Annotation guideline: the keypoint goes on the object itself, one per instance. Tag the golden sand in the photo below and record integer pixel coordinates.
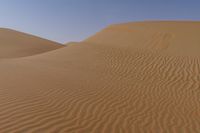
(129, 78)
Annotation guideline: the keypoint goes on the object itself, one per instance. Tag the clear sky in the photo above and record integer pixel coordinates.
(74, 20)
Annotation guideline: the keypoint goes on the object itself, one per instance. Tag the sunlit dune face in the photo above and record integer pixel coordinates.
(15, 44)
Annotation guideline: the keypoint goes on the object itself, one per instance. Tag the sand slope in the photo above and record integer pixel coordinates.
(172, 37)
(17, 44)
(103, 85)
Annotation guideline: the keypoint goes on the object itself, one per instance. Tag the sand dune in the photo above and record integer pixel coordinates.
(128, 78)
(17, 44)
(172, 37)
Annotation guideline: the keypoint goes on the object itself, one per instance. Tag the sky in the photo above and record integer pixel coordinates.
(75, 20)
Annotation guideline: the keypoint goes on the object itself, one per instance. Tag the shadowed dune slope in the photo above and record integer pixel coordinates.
(17, 44)
(106, 85)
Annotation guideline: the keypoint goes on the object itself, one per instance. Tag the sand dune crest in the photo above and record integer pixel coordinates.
(15, 44)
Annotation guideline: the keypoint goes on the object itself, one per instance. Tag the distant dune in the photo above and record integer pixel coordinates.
(17, 44)
(138, 77)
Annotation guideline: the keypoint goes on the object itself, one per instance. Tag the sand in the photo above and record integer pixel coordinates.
(15, 44)
(138, 77)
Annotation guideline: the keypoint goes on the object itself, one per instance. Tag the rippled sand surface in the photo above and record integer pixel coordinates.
(141, 77)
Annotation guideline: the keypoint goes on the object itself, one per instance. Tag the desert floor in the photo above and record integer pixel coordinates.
(141, 77)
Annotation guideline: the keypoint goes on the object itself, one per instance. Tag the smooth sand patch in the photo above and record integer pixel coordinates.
(15, 44)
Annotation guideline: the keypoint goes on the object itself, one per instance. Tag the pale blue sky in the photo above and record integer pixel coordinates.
(75, 20)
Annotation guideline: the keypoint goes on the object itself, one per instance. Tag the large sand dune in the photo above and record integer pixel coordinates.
(172, 37)
(17, 44)
(129, 78)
